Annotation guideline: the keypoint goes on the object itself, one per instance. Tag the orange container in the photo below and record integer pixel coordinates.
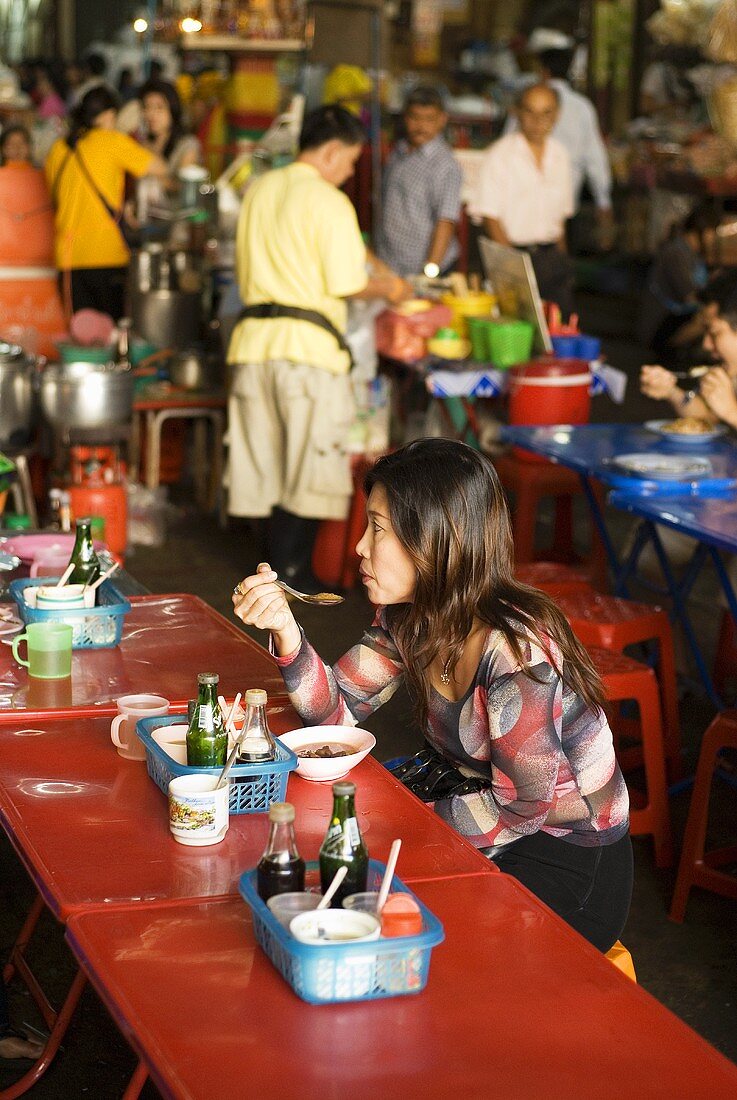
(108, 501)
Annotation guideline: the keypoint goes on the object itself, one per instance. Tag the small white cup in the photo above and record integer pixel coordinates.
(123, 728)
(173, 740)
(51, 598)
(198, 812)
(326, 929)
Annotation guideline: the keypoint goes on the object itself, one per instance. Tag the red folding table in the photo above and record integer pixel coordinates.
(516, 1005)
(92, 831)
(166, 641)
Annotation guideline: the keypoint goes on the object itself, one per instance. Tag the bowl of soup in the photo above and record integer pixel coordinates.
(327, 753)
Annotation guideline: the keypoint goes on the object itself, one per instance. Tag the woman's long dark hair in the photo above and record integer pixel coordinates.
(168, 92)
(82, 119)
(448, 510)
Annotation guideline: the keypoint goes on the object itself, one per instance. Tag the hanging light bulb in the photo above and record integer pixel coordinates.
(190, 25)
(140, 25)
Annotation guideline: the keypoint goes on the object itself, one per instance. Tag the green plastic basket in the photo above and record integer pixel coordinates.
(510, 342)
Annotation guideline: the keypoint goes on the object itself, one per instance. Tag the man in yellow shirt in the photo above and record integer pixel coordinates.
(300, 255)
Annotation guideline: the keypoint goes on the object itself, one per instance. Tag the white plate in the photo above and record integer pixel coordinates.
(664, 467)
(684, 439)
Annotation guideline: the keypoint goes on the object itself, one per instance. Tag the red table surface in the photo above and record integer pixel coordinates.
(166, 641)
(92, 828)
(516, 1006)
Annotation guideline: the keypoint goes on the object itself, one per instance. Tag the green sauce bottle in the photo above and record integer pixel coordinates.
(84, 558)
(343, 846)
(207, 739)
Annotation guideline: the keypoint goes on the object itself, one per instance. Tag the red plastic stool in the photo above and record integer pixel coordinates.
(625, 679)
(698, 867)
(530, 483)
(553, 577)
(334, 558)
(614, 623)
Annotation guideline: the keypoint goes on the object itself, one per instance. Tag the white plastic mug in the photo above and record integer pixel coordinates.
(198, 809)
(123, 729)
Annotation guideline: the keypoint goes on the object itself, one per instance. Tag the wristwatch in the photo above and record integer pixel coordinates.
(431, 271)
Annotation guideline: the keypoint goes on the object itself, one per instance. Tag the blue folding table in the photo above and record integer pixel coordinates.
(705, 508)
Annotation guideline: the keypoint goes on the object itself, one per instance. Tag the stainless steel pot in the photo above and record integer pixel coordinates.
(85, 395)
(17, 404)
(190, 370)
(167, 318)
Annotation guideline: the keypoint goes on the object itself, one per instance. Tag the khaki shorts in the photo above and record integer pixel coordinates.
(288, 427)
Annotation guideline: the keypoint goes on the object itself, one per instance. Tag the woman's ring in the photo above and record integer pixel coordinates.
(238, 591)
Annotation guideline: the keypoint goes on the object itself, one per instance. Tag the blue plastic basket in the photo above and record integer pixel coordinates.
(329, 973)
(253, 787)
(99, 627)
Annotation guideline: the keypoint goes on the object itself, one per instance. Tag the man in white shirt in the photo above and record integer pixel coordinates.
(525, 193)
(577, 127)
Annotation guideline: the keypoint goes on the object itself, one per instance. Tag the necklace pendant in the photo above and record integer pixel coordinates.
(445, 674)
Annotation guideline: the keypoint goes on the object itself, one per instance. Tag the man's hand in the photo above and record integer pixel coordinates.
(657, 382)
(717, 391)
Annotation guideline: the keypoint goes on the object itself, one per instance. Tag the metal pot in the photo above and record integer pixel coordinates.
(17, 404)
(191, 371)
(167, 318)
(85, 395)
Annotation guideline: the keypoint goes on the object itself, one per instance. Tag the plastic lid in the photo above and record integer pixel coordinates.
(401, 916)
(256, 697)
(208, 678)
(344, 787)
(281, 812)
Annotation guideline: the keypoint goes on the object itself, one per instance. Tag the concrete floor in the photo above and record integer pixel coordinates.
(689, 968)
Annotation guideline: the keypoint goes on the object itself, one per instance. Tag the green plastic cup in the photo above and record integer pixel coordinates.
(49, 650)
(477, 327)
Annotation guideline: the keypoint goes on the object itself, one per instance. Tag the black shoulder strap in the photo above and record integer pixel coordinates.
(271, 310)
(114, 214)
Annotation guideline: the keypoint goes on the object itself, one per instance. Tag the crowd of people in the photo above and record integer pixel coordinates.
(94, 154)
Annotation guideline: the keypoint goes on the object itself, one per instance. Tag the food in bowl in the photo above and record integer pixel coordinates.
(688, 425)
(325, 752)
(356, 743)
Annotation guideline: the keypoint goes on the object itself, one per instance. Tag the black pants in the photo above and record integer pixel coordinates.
(100, 288)
(589, 888)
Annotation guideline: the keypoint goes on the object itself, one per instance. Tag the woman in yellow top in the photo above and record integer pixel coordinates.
(86, 177)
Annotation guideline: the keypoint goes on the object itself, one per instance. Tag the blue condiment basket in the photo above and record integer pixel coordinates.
(99, 627)
(253, 787)
(330, 973)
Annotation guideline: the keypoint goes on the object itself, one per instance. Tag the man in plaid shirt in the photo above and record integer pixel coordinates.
(422, 192)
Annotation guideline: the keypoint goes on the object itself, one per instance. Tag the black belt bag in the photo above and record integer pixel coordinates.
(273, 310)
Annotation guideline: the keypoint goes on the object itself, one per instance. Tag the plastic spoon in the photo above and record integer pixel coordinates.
(65, 575)
(103, 577)
(388, 875)
(328, 895)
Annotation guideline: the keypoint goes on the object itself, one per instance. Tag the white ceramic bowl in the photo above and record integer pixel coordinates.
(319, 770)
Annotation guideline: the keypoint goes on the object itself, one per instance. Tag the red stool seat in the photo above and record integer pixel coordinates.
(530, 483)
(625, 679)
(554, 577)
(698, 867)
(614, 623)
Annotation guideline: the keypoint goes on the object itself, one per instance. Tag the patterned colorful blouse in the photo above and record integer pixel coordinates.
(549, 758)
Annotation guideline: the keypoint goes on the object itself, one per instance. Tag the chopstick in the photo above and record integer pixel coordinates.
(694, 372)
(229, 723)
(386, 882)
(65, 575)
(103, 577)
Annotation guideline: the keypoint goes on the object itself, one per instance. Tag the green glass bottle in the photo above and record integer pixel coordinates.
(343, 845)
(207, 739)
(84, 558)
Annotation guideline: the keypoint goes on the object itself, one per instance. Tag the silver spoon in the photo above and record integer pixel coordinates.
(321, 599)
(694, 372)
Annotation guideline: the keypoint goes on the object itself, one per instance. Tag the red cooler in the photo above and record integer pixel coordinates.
(549, 391)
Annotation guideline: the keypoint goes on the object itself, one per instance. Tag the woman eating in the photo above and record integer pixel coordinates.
(503, 691)
(164, 131)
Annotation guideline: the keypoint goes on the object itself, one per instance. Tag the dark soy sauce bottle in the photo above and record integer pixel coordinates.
(280, 869)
